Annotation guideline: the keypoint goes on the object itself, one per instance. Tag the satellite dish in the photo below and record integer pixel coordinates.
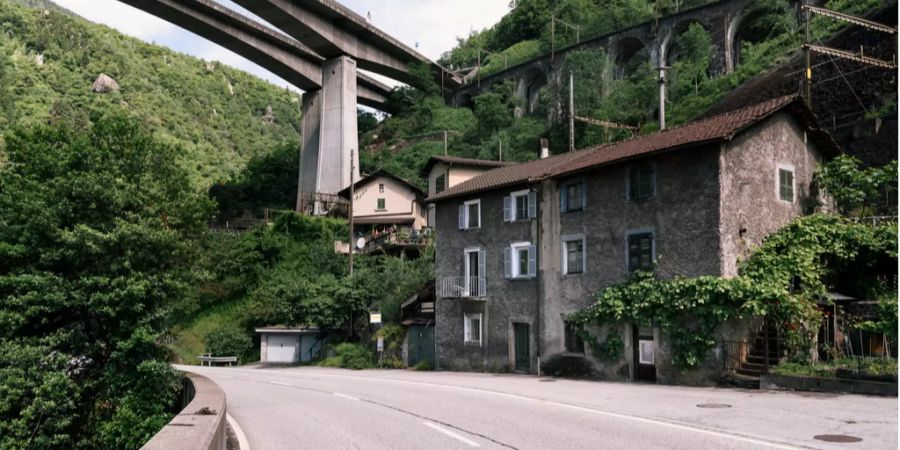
(360, 243)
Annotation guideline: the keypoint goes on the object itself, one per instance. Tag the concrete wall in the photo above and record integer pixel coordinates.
(191, 429)
(399, 201)
(750, 206)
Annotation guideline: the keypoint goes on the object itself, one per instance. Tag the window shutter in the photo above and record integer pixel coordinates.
(532, 261)
(507, 262)
(481, 269)
(462, 217)
(507, 209)
(633, 183)
(583, 196)
(532, 205)
(563, 199)
(563, 258)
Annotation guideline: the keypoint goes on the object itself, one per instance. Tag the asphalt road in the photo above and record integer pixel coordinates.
(317, 408)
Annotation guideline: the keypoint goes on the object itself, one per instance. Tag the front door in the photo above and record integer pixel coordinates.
(421, 345)
(523, 355)
(644, 354)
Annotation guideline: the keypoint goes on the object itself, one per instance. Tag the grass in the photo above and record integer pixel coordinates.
(189, 338)
(827, 369)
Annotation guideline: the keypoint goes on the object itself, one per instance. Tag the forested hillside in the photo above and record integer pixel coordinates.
(49, 59)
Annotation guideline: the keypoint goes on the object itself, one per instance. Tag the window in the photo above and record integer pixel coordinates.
(519, 260)
(574, 343)
(472, 328)
(571, 197)
(573, 254)
(440, 184)
(640, 251)
(521, 205)
(786, 183)
(380, 204)
(470, 215)
(641, 182)
(381, 187)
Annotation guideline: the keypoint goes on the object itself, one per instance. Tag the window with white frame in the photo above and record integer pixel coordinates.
(470, 215)
(519, 260)
(520, 205)
(640, 251)
(571, 197)
(786, 183)
(380, 187)
(573, 254)
(472, 328)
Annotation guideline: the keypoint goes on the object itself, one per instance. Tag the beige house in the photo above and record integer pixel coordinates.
(444, 172)
(382, 200)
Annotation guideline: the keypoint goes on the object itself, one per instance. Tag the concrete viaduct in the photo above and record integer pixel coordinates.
(721, 20)
(322, 44)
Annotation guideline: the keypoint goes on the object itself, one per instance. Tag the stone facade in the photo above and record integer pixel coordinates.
(711, 205)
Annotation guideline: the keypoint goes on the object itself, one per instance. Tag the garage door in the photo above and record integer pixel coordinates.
(281, 348)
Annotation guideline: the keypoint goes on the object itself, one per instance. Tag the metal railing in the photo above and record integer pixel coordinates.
(461, 287)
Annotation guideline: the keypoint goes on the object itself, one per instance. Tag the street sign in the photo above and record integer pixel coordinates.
(380, 344)
(375, 317)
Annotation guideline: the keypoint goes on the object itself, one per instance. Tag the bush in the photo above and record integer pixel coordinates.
(229, 341)
(354, 356)
(392, 355)
(422, 365)
(566, 366)
(332, 361)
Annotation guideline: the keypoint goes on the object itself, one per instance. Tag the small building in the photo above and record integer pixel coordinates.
(417, 316)
(444, 172)
(382, 200)
(289, 345)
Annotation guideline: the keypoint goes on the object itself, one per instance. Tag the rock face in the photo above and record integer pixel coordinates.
(103, 84)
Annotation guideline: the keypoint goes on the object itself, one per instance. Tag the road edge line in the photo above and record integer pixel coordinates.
(238, 432)
(449, 433)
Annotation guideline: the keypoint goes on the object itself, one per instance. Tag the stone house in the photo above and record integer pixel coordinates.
(521, 247)
(444, 172)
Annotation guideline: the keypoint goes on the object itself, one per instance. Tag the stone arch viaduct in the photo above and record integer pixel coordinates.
(721, 20)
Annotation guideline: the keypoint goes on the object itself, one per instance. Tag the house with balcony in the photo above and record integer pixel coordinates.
(444, 172)
(388, 214)
(519, 248)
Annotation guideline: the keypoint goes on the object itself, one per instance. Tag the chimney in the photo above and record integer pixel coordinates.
(545, 148)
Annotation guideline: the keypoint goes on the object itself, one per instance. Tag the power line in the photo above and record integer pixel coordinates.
(865, 23)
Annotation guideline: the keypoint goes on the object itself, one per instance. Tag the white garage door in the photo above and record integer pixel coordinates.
(281, 348)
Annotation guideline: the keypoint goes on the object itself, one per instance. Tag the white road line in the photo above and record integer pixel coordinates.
(242, 439)
(441, 429)
(349, 397)
(280, 384)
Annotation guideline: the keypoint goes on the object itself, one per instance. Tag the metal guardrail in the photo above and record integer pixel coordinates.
(209, 359)
(200, 425)
(461, 287)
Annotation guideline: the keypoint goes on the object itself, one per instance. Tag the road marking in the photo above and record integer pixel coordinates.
(349, 397)
(441, 429)
(280, 384)
(241, 437)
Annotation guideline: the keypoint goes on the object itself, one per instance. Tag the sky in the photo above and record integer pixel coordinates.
(433, 24)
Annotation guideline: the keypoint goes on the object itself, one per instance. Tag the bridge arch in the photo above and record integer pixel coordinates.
(669, 48)
(754, 23)
(528, 88)
(626, 53)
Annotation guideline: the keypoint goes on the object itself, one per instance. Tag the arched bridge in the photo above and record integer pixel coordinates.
(721, 20)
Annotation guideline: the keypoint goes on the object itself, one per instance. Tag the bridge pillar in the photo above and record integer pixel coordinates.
(329, 139)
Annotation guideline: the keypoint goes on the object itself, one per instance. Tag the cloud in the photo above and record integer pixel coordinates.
(433, 24)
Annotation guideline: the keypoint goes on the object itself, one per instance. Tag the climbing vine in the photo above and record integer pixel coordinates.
(781, 280)
(609, 350)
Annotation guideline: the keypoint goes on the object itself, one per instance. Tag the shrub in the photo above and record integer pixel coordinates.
(354, 356)
(392, 355)
(422, 365)
(332, 361)
(229, 341)
(566, 366)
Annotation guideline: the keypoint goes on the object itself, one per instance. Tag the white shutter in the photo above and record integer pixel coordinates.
(532, 205)
(481, 269)
(532, 261)
(507, 262)
(507, 209)
(462, 217)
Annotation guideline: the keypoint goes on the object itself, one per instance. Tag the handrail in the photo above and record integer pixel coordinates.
(200, 425)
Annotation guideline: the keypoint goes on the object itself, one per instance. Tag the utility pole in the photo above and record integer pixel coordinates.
(350, 213)
(501, 150)
(445, 142)
(571, 112)
(808, 76)
(662, 98)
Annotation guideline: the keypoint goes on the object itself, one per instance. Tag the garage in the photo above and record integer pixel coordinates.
(289, 345)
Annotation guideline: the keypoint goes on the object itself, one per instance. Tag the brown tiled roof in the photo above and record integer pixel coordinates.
(458, 160)
(714, 129)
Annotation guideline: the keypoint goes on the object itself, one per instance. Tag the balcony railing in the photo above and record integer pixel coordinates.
(461, 287)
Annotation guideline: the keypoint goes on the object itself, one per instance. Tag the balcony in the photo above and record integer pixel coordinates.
(461, 287)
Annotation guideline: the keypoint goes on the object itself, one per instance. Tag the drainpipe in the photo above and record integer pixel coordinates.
(538, 285)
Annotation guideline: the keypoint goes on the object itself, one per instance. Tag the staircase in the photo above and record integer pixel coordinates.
(745, 361)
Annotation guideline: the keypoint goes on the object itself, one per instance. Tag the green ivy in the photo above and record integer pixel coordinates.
(782, 280)
(609, 350)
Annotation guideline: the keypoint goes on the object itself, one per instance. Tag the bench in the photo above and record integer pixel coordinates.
(210, 360)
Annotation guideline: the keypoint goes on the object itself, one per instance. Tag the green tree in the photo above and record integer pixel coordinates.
(859, 191)
(96, 231)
